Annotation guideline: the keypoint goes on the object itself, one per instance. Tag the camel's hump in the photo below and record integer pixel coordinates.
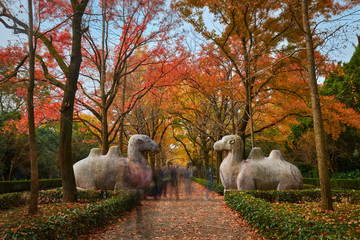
(256, 154)
(113, 152)
(95, 152)
(276, 155)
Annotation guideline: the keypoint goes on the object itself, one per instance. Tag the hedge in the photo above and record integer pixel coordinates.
(336, 183)
(24, 185)
(279, 224)
(216, 187)
(78, 220)
(311, 195)
(11, 200)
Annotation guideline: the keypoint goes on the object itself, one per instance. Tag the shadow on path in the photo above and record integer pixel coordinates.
(194, 218)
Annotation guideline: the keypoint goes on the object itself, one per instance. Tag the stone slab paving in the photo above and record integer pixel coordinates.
(166, 218)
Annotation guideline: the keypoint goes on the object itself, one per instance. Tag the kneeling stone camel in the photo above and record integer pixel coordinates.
(257, 172)
(114, 172)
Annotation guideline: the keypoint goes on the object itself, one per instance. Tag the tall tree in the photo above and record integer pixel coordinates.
(246, 33)
(320, 139)
(71, 72)
(133, 34)
(33, 203)
(67, 106)
(310, 12)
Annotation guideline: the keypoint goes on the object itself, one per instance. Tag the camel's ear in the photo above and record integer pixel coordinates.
(232, 141)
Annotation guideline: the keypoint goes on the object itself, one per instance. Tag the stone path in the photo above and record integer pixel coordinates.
(166, 218)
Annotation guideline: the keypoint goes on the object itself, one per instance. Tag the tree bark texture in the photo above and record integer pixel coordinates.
(320, 140)
(104, 108)
(67, 106)
(34, 191)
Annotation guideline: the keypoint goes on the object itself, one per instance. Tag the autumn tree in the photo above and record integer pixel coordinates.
(308, 15)
(344, 83)
(14, 136)
(202, 108)
(14, 144)
(151, 117)
(33, 203)
(342, 86)
(247, 34)
(70, 71)
(133, 34)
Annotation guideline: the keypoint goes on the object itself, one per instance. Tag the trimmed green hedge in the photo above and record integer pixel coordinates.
(216, 187)
(277, 224)
(336, 183)
(311, 195)
(11, 200)
(24, 185)
(78, 220)
(272, 223)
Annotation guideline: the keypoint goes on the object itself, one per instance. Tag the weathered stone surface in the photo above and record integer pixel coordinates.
(268, 173)
(114, 172)
(257, 172)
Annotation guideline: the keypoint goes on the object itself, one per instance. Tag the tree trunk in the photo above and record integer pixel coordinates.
(105, 132)
(241, 131)
(34, 190)
(121, 135)
(251, 121)
(104, 109)
(67, 106)
(320, 140)
(121, 132)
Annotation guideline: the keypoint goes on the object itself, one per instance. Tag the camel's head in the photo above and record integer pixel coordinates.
(228, 143)
(143, 143)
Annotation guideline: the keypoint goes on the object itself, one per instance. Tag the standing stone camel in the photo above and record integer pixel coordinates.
(257, 172)
(114, 172)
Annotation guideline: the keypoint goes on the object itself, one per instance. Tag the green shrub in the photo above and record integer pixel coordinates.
(312, 181)
(14, 186)
(336, 183)
(273, 223)
(50, 183)
(308, 186)
(88, 196)
(11, 200)
(293, 196)
(347, 175)
(70, 223)
(345, 184)
(24, 185)
(216, 187)
(309, 195)
(351, 196)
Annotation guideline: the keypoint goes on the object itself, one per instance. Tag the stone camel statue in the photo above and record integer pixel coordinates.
(257, 172)
(114, 172)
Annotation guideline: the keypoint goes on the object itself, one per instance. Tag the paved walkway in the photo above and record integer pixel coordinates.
(194, 218)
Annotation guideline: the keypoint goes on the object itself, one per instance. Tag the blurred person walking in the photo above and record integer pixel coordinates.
(174, 181)
(188, 174)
